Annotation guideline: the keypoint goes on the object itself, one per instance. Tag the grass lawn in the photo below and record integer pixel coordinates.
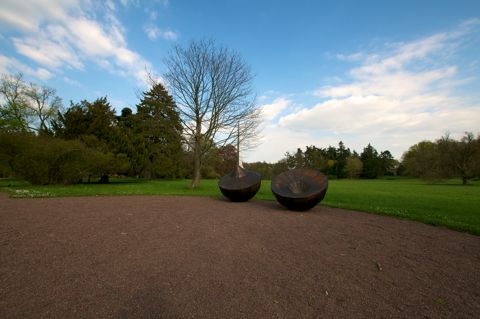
(447, 204)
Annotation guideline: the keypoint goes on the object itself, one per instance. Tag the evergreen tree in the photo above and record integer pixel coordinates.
(342, 155)
(160, 126)
(86, 118)
(314, 158)
(371, 162)
(388, 163)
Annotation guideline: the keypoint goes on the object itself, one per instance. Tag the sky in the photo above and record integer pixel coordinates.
(388, 73)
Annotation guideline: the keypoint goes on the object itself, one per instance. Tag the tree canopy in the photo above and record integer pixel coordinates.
(43, 143)
(213, 88)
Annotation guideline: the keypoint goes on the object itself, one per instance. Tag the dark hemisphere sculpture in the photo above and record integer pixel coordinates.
(300, 189)
(240, 185)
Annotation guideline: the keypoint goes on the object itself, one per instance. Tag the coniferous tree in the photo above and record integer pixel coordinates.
(371, 162)
(160, 126)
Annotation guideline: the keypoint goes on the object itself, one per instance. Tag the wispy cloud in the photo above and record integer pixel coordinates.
(353, 57)
(12, 65)
(154, 32)
(391, 98)
(69, 34)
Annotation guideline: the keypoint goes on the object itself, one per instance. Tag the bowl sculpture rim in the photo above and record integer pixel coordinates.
(240, 185)
(305, 198)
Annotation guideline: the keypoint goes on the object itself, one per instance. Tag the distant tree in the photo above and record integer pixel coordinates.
(279, 167)
(299, 159)
(227, 159)
(263, 168)
(372, 166)
(212, 87)
(353, 167)
(388, 163)
(458, 158)
(422, 160)
(342, 154)
(314, 158)
(445, 158)
(331, 155)
(476, 165)
(296, 160)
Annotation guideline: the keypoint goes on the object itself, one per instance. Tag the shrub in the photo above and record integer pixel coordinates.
(47, 160)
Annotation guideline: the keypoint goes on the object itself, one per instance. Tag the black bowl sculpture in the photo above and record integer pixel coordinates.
(240, 185)
(300, 189)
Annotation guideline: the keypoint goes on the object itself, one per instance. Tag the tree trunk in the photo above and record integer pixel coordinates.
(197, 159)
(196, 170)
(464, 180)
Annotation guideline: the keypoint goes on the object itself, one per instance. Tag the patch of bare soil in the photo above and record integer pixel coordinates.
(197, 257)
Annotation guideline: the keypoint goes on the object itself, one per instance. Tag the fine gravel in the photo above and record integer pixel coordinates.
(201, 257)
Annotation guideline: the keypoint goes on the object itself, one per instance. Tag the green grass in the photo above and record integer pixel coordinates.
(446, 204)
(120, 186)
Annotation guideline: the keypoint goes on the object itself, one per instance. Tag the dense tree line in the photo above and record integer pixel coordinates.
(444, 158)
(336, 162)
(45, 143)
(89, 140)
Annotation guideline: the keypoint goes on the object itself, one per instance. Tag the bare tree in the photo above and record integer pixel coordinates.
(14, 112)
(212, 87)
(44, 105)
(26, 107)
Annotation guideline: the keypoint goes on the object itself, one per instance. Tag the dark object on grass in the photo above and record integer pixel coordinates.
(240, 185)
(103, 179)
(300, 189)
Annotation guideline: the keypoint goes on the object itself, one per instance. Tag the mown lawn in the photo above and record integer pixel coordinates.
(447, 204)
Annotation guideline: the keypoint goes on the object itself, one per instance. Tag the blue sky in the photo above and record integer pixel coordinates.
(389, 73)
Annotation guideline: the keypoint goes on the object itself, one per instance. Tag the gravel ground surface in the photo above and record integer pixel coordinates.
(198, 257)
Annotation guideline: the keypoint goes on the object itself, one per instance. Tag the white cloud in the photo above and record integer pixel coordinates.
(66, 33)
(12, 65)
(270, 111)
(275, 142)
(393, 99)
(154, 32)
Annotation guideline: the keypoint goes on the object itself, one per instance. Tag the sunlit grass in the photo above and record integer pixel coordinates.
(447, 204)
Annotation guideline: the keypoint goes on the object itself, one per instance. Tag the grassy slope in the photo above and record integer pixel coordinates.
(447, 204)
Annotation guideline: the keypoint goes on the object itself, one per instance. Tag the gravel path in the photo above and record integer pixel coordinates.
(199, 257)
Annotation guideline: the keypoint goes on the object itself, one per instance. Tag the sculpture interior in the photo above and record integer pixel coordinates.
(300, 189)
(240, 185)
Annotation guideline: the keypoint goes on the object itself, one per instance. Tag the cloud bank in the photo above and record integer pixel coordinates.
(68, 34)
(392, 98)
